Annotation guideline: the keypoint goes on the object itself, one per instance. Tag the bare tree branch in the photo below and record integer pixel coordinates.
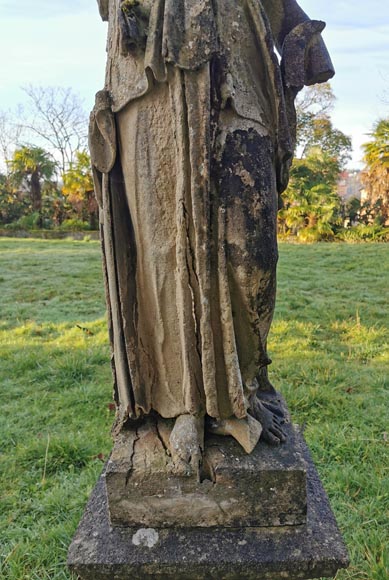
(56, 115)
(10, 137)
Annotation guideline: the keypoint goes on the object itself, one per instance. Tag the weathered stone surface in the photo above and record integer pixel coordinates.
(265, 488)
(191, 142)
(299, 552)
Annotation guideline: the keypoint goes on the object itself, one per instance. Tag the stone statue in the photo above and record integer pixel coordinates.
(191, 142)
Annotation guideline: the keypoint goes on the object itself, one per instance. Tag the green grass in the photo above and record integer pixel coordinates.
(330, 348)
(331, 360)
(54, 399)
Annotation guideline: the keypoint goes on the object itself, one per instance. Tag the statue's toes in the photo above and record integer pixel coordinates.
(273, 433)
(278, 432)
(186, 462)
(195, 463)
(181, 468)
(270, 438)
(275, 409)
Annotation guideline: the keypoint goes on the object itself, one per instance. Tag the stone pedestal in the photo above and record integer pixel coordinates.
(265, 488)
(266, 544)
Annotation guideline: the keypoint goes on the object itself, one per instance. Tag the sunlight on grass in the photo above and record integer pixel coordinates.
(329, 343)
(55, 397)
(331, 352)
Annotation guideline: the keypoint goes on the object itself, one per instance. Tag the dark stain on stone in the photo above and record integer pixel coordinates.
(246, 186)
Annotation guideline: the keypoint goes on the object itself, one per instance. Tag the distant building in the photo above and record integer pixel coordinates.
(350, 185)
(364, 195)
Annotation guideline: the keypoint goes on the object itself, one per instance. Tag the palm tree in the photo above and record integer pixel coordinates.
(376, 175)
(78, 187)
(31, 167)
(311, 204)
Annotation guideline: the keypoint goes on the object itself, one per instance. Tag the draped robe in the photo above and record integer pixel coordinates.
(191, 144)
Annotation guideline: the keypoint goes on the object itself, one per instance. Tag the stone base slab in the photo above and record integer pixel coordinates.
(314, 550)
(265, 488)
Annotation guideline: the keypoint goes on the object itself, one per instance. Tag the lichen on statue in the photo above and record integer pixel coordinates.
(191, 143)
(133, 19)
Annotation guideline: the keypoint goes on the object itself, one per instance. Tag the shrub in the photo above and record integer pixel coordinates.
(26, 222)
(364, 233)
(72, 225)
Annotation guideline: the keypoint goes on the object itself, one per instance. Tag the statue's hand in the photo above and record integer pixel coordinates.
(102, 134)
(102, 141)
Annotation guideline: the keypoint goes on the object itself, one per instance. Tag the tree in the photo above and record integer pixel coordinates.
(79, 189)
(376, 174)
(316, 101)
(30, 167)
(356, 211)
(315, 128)
(335, 144)
(312, 207)
(12, 203)
(10, 134)
(57, 117)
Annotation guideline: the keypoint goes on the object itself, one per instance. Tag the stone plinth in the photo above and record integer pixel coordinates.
(265, 488)
(311, 550)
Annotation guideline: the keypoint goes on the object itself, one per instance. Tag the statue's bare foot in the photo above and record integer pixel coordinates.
(187, 445)
(270, 414)
(246, 432)
(269, 397)
(273, 403)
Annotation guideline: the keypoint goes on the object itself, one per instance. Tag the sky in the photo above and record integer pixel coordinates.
(62, 42)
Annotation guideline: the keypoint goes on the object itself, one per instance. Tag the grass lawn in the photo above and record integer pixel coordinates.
(331, 360)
